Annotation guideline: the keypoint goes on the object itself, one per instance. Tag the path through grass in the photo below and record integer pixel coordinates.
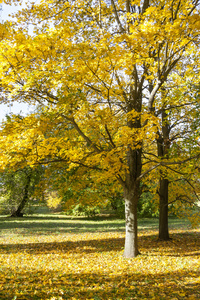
(51, 257)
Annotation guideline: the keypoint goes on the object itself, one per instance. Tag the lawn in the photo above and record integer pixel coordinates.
(55, 257)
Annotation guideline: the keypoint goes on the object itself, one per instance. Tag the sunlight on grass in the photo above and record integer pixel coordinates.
(73, 264)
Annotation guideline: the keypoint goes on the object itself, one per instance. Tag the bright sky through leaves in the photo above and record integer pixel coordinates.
(16, 107)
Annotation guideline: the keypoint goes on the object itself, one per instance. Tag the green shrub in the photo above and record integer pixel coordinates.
(146, 207)
(84, 210)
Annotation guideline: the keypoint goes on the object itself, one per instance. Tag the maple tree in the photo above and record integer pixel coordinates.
(97, 68)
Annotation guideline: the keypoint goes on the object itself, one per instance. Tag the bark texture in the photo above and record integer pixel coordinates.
(132, 182)
(131, 240)
(131, 196)
(163, 145)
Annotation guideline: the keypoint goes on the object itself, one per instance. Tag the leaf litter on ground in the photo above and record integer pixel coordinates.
(90, 265)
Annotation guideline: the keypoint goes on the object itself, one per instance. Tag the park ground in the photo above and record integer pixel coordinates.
(56, 257)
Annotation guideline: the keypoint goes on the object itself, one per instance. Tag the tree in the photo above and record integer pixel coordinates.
(98, 68)
(177, 141)
(19, 181)
(18, 188)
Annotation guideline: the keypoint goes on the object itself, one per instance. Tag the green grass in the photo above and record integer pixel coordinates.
(43, 224)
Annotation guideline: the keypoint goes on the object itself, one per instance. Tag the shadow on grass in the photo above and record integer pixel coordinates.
(89, 246)
(44, 226)
(99, 286)
(179, 245)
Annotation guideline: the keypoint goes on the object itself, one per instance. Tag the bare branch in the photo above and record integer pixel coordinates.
(167, 164)
(116, 16)
(109, 136)
(86, 138)
(148, 171)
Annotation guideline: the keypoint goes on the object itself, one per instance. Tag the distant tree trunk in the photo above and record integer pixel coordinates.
(163, 210)
(163, 146)
(18, 212)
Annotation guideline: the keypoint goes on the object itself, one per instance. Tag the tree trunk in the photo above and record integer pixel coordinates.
(163, 212)
(131, 240)
(132, 181)
(18, 212)
(131, 196)
(163, 145)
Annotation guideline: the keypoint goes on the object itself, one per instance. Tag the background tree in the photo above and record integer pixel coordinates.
(177, 141)
(19, 180)
(18, 189)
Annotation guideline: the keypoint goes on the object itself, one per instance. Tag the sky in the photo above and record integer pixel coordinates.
(17, 107)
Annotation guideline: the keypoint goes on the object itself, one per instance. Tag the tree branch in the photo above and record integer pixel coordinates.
(116, 16)
(109, 136)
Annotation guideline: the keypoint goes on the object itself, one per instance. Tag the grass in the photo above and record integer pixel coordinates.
(56, 257)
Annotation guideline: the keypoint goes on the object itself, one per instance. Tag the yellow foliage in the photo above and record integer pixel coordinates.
(52, 199)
